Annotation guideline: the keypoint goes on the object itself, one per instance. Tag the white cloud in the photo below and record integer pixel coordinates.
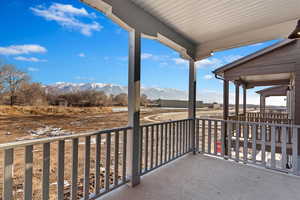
(81, 55)
(146, 55)
(22, 49)
(67, 16)
(29, 59)
(180, 61)
(32, 69)
(209, 62)
(208, 77)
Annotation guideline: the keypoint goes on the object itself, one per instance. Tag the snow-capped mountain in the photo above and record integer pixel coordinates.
(151, 92)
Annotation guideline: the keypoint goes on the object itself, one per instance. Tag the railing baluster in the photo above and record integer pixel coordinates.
(187, 142)
(152, 147)
(215, 136)
(116, 157)
(283, 148)
(273, 146)
(170, 139)
(87, 154)
(237, 141)
(203, 136)
(146, 148)
(229, 132)
(124, 156)
(209, 137)
(177, 139)
(173, 140)
(97, 164)
(295, 151)
(8, 170)
(107, 162)
(166, 142)
(156, 147)
(28, 172)
(161, 143)
(74, 185)
(197, 136)
(60, 169)
(141, 149)
(183, 137)
(46, 169)
(263, 145)
(223, 138)
(245, 150)
(253, 134)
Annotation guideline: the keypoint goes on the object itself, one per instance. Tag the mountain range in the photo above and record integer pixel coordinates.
(150, 92)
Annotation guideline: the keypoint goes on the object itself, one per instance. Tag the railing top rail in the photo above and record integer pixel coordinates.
(253, 123)
(23, 143)
(165, 122)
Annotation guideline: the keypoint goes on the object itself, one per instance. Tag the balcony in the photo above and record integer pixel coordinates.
(203, 177)
(91, 165)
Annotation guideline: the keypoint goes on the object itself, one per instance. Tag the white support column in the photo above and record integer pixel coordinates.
(244, 100)
(133, 138)
(192, 101)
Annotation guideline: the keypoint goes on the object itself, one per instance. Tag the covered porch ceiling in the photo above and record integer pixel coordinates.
(274, 91)
(266, 80)
(196, 28)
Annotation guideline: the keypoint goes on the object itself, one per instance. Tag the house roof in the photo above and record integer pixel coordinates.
(252, 56)
(196, 28)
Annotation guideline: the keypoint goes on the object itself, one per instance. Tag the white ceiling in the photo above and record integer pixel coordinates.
(210, 25)
(207, 21)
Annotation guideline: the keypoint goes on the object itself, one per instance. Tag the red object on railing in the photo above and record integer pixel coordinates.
(219, 147)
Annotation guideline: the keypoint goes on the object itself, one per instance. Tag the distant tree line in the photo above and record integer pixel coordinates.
(16, 88)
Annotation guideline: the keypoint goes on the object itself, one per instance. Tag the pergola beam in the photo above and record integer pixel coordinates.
(130, 16)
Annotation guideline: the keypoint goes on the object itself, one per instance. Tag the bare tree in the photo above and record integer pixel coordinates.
(11, 79)
(32, 94)
(121, 99)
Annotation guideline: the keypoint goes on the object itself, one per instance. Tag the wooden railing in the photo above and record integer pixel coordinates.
(164, 142)
(277, 118)
(95, 163)
(102, 172)
(264, 144)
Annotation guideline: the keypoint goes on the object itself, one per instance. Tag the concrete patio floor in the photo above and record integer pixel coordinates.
(205, 178)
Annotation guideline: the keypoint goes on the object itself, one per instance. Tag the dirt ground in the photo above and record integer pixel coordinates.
(21, 123)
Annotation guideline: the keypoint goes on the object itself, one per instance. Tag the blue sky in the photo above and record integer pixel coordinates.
(67, 41)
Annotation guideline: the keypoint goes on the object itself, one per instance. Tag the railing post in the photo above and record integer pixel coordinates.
(133, 139)
(225, 114)
(192, 102)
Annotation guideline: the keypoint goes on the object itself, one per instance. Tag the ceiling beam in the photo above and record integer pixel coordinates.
(130, 16)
